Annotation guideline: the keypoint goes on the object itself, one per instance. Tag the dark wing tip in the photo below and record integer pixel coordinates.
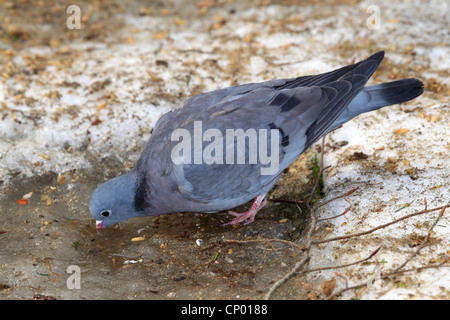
(377, 56)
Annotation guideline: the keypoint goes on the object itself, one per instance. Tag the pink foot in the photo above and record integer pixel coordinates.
(257, 205)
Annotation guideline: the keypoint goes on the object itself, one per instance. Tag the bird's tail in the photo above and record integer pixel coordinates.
(380, 95)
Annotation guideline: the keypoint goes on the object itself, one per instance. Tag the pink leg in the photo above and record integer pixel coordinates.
(257, 205)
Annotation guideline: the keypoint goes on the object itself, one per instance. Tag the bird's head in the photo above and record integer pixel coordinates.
(114, 201)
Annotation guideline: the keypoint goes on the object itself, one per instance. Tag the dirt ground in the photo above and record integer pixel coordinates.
(77, 107)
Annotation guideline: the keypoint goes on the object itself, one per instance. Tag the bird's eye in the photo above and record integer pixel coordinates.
(106, 213)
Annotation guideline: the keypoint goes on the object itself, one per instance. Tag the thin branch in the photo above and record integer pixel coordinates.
(275, 286)
(333, 217)
(385, 276)
(283, 63)
(338, 197)
(425, 241)
(394, 273)
(378, 227)
(265, 240)
(345, 265)
(398, 270)
(342, 277)
(308, 238)
(285, 200)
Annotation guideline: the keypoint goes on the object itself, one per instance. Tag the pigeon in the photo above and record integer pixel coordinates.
(223, 148)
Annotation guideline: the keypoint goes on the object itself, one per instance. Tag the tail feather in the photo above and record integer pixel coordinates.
(366, 67)
(380, 95)
(340, 93)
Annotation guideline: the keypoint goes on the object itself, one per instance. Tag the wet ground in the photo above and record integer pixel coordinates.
(77, 106)
(173, 256)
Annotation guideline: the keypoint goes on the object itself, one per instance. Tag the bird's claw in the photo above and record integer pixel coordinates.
(257, 205)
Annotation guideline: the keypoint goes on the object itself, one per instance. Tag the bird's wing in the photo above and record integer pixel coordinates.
(301, 109)
(201, 102)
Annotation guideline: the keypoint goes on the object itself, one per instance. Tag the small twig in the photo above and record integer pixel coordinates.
(195, 51)
(345, 265)
(404, 206)
(338, 197)
(265, 240)
(271, 245)
(379, 227)
(308, 238)
(342, 277)
(285, 200)
(333, 217)
(385, 276)
(425, 241)
(282, 63)
(442, 264)
(347, 288)
(398, 270)
(275, 286)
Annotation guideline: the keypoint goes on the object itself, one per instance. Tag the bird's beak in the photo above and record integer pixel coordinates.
(99, 224)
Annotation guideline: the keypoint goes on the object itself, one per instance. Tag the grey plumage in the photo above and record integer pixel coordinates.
(301, 109)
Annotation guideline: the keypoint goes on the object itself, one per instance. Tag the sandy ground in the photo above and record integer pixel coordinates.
(78, 105)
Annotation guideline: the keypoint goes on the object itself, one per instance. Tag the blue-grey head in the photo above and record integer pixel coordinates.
(115, 201)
